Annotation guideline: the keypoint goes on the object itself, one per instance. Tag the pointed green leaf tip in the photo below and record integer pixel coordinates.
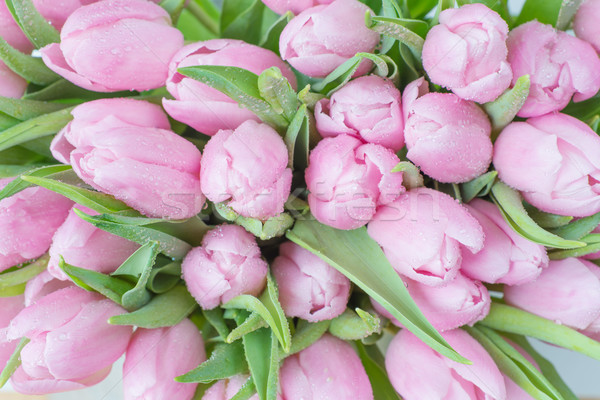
(503, 110)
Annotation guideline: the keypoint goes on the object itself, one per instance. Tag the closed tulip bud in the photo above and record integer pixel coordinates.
(567, 292)
(585, 23)
(349, 181)
(368, 108)
(227, 265)
(448, 137)
(422, 235)
(467, 52)
(42, 285)
(295, 6)
(83, 245)
(461, 301)
(559, 66)
(247, 167)
(309, 288)
(554, 160)
(323, 37)
(11, 84)
(506, 257)
(124, 147)
(206, 109)
(28, 221)
(327, 369)
(56, 13)
(155, 357)
(225, 389)
(105, 45)
(10, 307)
(72, 345)
(418, 372)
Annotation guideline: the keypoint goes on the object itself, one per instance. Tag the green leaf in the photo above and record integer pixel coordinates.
(277, 91)
(297, 139)
(548, 220)
(101, 202)
(27, 109)
(584, 110)
(270, 38)
(509, 319)
(225, 361)
(566, 13)
(246, 391)
(13, 362)
(503, 110)
(545, 11)
(34, 128)
(11, 291)
(478, 187)
(193, 30)
(35, 27)
(419, 8)
(243, 19)
(30, 68)
(215, 318)
(174, 8)
(239, 84)
(593, 246)
(514, 365)
(399, 29)
(382, 387)
(24, 274)
(17, 184)
(138, 266)
(268, 307)
(206, 13)
(9, 171)
(355, 325)
(411, 177)
(264, 230)
(262, 354)
(110, 287)
(511, 207)
(168, 245)
(306, 334)
(579, 228)
(163, 310)
(251, 324)
(165, 277)
(360, 258)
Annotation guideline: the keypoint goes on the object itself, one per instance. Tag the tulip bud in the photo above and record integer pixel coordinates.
(585, 23)
(10, 306)
(506, 257)
(206, 109)
(295, 6)
(42, 285)
(554, 160)
(448, 138)
(461, 301)
(227, 265)
(11, 84)
(328, 369)
(422, 233)
(349, 180)
(105, 45)
(155, 357)
(248, 168)
(368, 108)
(418, 372)
(124, 147)
(567, 292)
(57, 12)
(309, 288)
(83, 245)
(467, 52)
(225, 389)
(28, 221)
(559, 66)
(322, 38)
(72, 345)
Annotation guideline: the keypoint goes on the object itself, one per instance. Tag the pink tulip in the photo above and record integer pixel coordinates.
(11, 32)
(554, 160)
(328, 369)
(28, 221)
(422, 234)
(585, 23)
(83, 245)
(323, 37)
(57, 12)
(42, 285)
(417, 372)
(448, 137)
(461, 301)
(155, 357)
(506, 257)
(225, 389)
(105, 45)
(206, 109)
(295, 6)
(558, 64)
(124, 147)
(309, 288)
(227, 265)
(247, 167)
(368, 108)
(11, 84)
(467, 52)
(349, 181)
(10, 307)
(72, 345)
(567, 292)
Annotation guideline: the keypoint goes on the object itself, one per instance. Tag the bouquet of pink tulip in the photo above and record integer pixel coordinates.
(308, 199)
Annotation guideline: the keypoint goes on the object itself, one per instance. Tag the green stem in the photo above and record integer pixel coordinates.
(203, 17)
